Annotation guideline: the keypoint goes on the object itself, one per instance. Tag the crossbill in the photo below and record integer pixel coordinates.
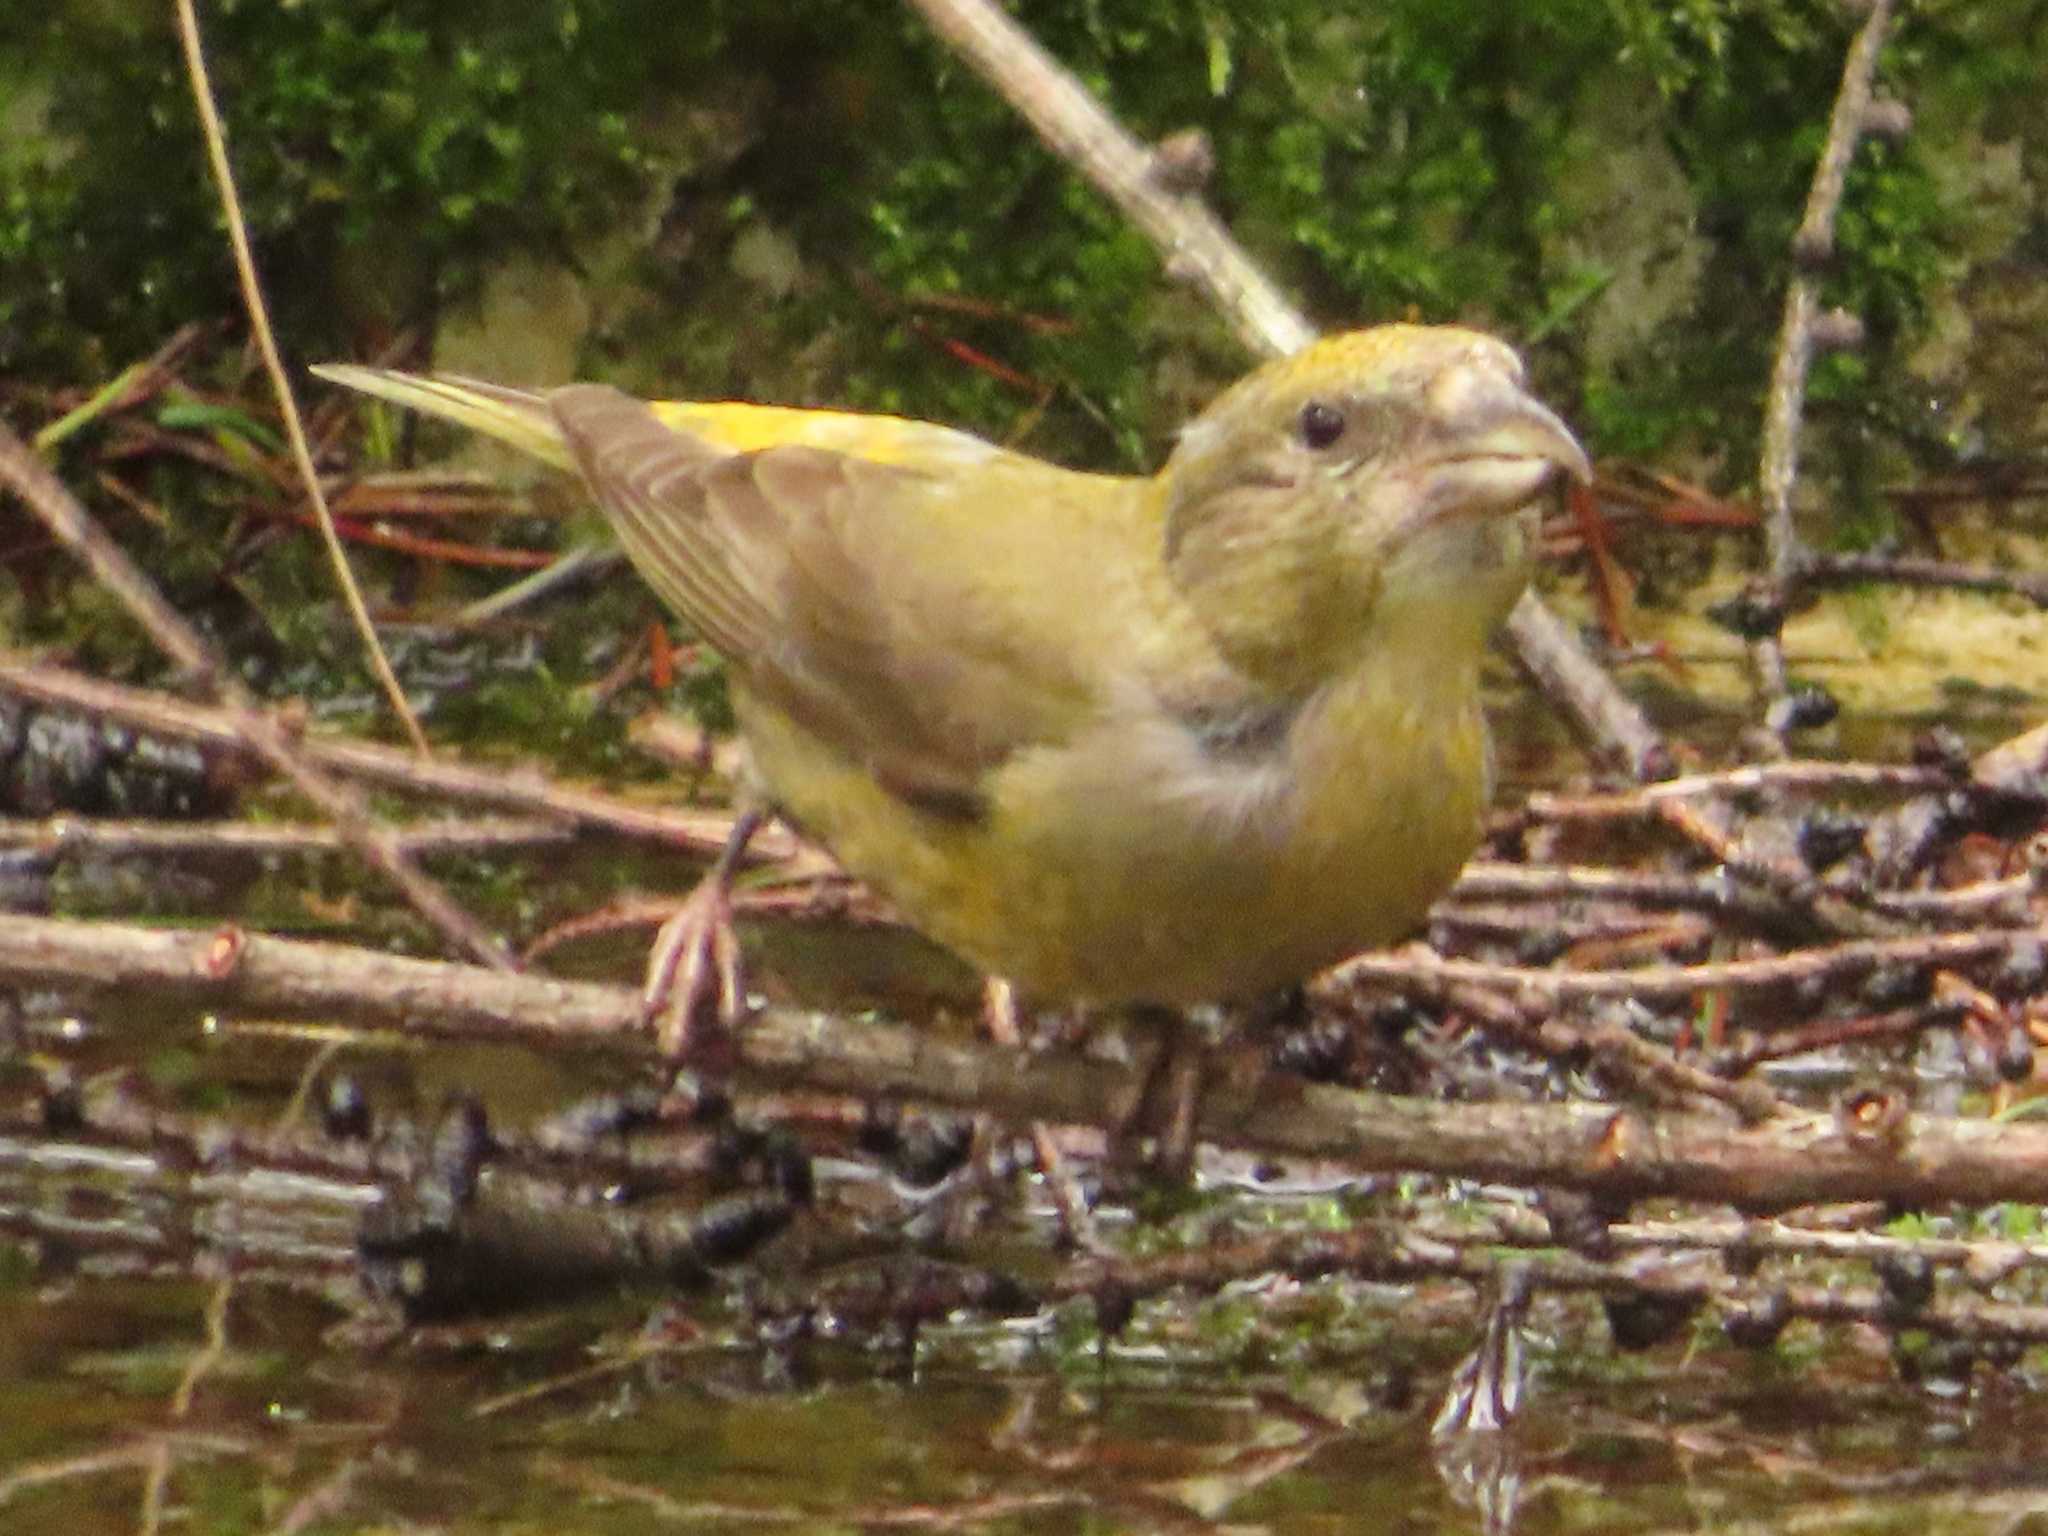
(1171, 738)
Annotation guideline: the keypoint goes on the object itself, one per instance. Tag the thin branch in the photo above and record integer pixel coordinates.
(254, 729)
(1848, 570)
(1388, 1253)
(132, 384)
(1778, 469)
(1750, 779)
(701, 833)
(266, 343)
(1198, 249)
(1792, 1159)
(1075, 127)
(86, 835)
(1857, 957)
(1551, 654)
(2002, 901)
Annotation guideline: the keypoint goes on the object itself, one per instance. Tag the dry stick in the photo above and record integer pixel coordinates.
(1857, 957)
(2000, 901)
(1840, 909)
(1998, 483)
(118, 1115)
(1845, 570)
(1643, 1066)
(1572, 680)
(1814, 243)
(86, 835)
(1903, 839)
(1794, 1159)
(1988, 1257)
(344, 1171)
(256, 729)
(705, 832)
(1489, 880)
(1075, 127)
(1385, 1252)
(1199, 250)
(259, 323)
(1752, 778)
(1828, 1033)
(698, 832)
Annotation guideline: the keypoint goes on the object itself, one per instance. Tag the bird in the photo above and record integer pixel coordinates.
(1160, 740)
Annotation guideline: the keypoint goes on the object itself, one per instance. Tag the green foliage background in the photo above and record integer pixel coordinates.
(810, 200)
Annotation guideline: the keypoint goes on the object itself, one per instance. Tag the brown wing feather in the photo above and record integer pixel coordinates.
(764, 553)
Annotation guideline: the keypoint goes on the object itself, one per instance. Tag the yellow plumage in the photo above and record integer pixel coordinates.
(1169, 738)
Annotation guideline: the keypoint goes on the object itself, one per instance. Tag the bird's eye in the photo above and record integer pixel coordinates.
(1321, 424)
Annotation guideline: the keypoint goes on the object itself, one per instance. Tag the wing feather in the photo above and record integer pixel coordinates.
(785, 559)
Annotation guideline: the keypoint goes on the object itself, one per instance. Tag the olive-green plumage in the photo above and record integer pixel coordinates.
(1171, 738)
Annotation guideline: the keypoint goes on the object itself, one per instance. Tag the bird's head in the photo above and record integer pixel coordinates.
(1371, 476)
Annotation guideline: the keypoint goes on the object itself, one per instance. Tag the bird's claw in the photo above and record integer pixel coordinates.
(695, 992)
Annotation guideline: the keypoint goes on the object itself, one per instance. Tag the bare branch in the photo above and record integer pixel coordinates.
(1197, 248)
(1792, 1159)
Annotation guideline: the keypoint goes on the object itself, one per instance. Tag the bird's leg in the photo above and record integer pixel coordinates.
(999, 1016)
(694, 967)
(1169, 1098)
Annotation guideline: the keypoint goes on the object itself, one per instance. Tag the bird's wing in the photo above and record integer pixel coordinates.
(854, 595)
(518, 417)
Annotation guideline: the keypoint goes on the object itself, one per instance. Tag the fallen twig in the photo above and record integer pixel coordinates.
(1790, 1160)
(254, 728)
(524, 789)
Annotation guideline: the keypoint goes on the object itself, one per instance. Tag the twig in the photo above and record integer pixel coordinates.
(1822, 908)
(266, 343)
(2000, 901)
(145, 1451)
(1075, 127)
(1995, 484)
(972, 1514)
(426, 547)
(1898, 1024)
(1389, 1252)
(1857, 957)
(701, 833)
(1486, 879)
(1754, 778)
(324, 1501)
(255, 729)
(76, 835)
(1847, 570)
(1398, 1253)
(1987, 1257)
(1905, 838)
(1793, 1159)
(1199, 250)
(1552, 656)
(1814, 243)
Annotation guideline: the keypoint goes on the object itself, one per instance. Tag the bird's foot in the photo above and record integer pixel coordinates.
(695, 992)
(1077, 1221)
(1167, 1105)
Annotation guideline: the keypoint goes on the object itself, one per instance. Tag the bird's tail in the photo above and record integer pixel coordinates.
(517, 417)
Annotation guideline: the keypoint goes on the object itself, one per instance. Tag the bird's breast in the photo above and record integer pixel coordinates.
(1222, 862)
(1169, 858)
